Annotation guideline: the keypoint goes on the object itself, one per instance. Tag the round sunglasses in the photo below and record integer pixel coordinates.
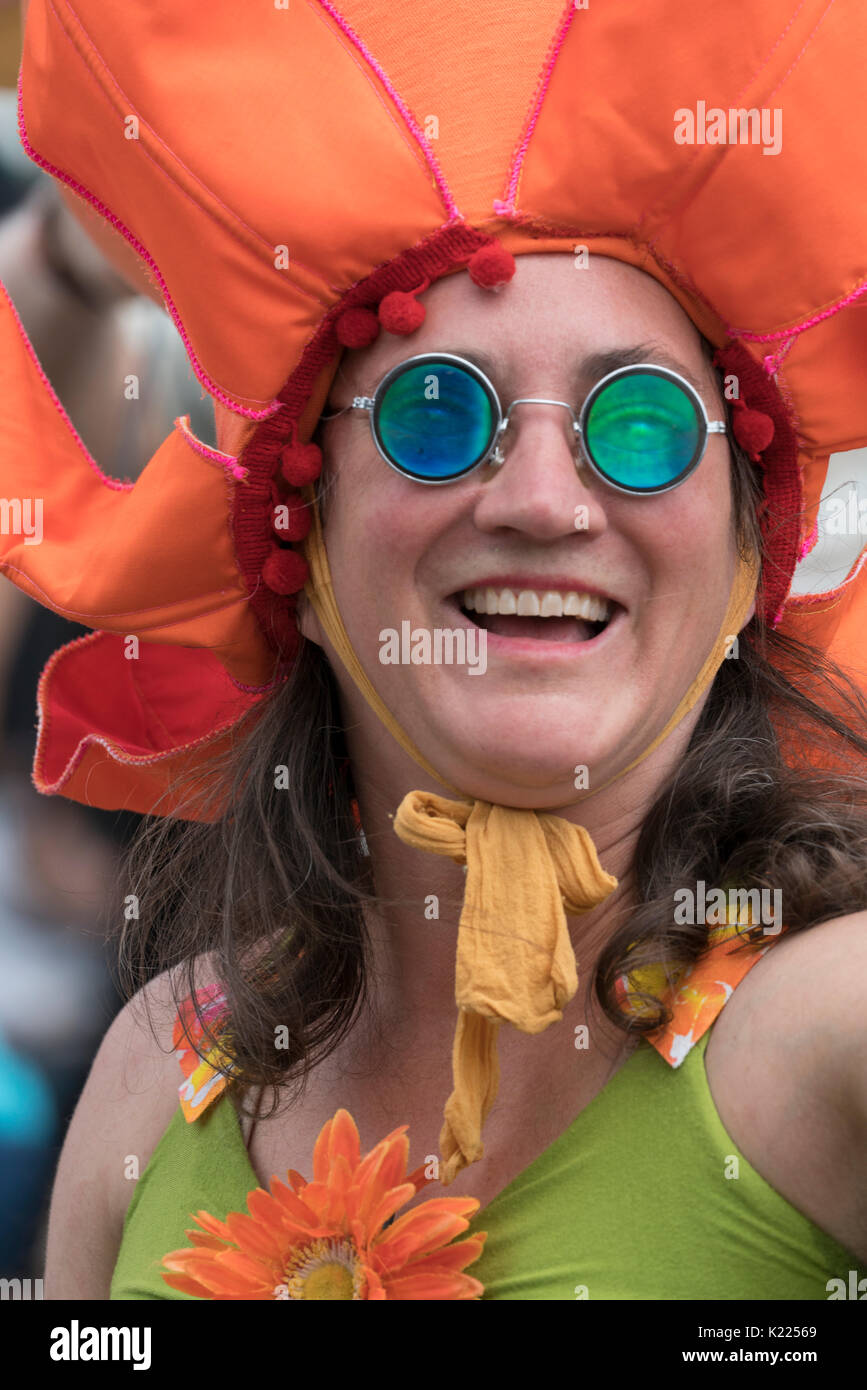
(436, 417)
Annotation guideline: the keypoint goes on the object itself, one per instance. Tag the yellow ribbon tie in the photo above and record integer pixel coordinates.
(515, 962)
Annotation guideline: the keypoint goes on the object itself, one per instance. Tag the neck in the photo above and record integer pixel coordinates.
(413, 930)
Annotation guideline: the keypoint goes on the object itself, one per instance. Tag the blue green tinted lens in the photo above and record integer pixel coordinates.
(642, 432)
(435, 421)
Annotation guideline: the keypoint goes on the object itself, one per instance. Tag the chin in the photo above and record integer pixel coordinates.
(515, 774)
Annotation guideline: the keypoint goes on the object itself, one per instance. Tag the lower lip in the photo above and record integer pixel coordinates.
(538, 648)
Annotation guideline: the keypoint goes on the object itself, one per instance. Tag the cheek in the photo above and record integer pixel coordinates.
(688, 554)
(691, 528)
(379, 530)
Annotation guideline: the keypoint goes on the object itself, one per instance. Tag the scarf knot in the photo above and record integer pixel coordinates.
(515, 963)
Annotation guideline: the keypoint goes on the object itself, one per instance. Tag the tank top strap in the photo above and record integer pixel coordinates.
(699, 994)
(206, 1069)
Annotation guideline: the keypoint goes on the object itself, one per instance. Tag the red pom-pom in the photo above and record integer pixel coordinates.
(400, 312)
(753, 430)
(301, 463)
(357, 328)
(491, 266)
(285, 571)
(291, 520)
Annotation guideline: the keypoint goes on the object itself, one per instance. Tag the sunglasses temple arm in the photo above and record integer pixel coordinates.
(358, 403)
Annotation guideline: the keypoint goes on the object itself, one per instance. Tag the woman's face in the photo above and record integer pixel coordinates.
(552, 696)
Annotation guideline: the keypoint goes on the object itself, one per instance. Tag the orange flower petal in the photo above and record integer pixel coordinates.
(358, 1232)
(345, 1142)
(463, 1207)
(208, 1275)
(452, 1257)
(383, 1169)
(419, 1178)
(431, 1231)
(386, 1161)
(317, 1201)
(352, 1205)
(184, 1284)
(244, 1272)
(295, 1179)
(211, 1224)
(338, 1135)
(254, 1237)
(265, 1208)
(181, 1260)
(206, 1241)
(302, 1235)
(293, 1206)
(339, 1183)
(374, 1288)
(223, 1281)
(391, 1203)
(433, 1286)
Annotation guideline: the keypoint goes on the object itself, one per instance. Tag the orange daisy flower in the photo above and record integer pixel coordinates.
(328, 1239)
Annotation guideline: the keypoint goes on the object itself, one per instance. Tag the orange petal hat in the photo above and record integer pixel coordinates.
(292, 176)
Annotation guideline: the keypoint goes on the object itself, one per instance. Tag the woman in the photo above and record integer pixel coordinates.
(399, 551)
(648, 729)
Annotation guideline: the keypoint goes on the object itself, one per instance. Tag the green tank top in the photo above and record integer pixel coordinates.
(644, 1196)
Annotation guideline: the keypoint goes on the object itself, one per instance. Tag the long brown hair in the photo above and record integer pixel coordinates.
(272, 895)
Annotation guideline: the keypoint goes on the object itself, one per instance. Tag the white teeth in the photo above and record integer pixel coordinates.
(552, 605)
(583, 606)
(530, 603)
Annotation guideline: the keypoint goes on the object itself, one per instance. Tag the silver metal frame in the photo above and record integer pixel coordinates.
(494, 454)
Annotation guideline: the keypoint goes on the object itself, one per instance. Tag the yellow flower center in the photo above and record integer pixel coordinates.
(325, 1269)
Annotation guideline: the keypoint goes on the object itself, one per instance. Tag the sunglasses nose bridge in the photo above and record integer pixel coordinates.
(497, 457)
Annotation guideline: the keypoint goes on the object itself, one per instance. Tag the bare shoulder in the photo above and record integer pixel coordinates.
(808, 990)
(124, 1109)
(787, 1069)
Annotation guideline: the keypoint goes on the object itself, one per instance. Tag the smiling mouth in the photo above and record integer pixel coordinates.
(540, 615)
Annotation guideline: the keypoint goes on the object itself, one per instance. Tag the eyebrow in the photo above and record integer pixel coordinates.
(597, 364)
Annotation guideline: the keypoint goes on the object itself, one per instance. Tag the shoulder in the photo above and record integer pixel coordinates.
(809, 988)
(127, 1103)
(825, 973)
(805, 999)
(787, 1067)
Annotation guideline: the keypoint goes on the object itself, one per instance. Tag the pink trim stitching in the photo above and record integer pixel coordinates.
(807, 323)
(411, 123)
(79, 188)
(44, 721)
(809, 542)
(507, 206)
(115, 483)
(228, 461)
(775, 360)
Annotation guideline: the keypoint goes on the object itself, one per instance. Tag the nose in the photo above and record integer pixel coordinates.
(544, 486)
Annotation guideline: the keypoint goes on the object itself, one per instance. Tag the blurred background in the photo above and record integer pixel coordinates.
(90, 327)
